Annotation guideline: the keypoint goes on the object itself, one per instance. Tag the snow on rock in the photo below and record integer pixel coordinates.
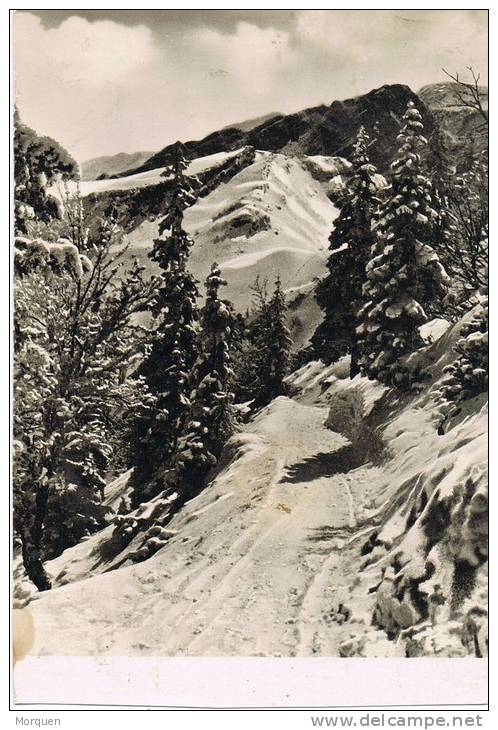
(326, 167)
(433, 330)
(317, 383)
(333, 173)
(117, 490)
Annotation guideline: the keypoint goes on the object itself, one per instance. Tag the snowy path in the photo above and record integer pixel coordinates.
(256, 567)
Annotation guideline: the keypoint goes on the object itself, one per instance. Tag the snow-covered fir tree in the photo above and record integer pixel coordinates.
(404, 274)
(278, 343)
(248, 338)
(340, 293)
(74, 345)
(269, 354)
(467, 376)
(211, 416)
(239, 350)
(174, 349)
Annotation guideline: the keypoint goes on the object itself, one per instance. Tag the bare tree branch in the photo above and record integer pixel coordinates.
(474, 96)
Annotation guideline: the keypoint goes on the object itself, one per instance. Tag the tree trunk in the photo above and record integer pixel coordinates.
(354, 367)
(33, 563)
(31, 538)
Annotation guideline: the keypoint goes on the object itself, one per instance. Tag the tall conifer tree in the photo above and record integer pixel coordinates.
(340, 293)
(211, 417)
(270, 351)
(404, 274)
(174, 349)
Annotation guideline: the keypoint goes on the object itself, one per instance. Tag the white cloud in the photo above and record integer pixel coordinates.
(412, 43)
(71, 79)
(251, 55)
(102, 87)
(80, 51)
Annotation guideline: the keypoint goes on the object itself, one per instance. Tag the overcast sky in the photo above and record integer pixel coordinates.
(109, 81)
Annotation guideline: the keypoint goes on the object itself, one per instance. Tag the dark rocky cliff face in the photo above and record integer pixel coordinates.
(321, 130)
(464, 130)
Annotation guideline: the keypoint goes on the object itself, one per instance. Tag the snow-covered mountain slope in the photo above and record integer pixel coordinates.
(144, 178)
(337, 513)
(271, 218)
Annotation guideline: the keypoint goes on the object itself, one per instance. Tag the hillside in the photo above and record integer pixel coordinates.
(335, 514)
(271, 218)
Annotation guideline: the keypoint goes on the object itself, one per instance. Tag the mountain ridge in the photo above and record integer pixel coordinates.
(464, 130)
(309, 131)
(321, 130)
(249, 124)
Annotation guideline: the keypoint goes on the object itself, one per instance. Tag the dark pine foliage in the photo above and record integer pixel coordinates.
(404, 274)
(211, 416)
(175, 347)
(268, 356)
(339, 294)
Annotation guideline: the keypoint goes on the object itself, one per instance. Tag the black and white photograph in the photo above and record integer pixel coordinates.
(250, 335)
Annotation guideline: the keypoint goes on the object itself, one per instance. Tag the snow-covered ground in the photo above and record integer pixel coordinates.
(339, 510)
(253, 570)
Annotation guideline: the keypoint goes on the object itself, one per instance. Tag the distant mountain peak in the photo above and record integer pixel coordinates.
(109, 165)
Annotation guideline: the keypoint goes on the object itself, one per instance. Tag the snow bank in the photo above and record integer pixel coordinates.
(426, 560)
(202, 164)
